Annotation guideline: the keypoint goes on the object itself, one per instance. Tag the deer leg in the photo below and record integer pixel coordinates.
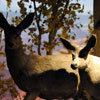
(30, 96)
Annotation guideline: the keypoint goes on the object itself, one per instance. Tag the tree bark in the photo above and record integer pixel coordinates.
(97, 26)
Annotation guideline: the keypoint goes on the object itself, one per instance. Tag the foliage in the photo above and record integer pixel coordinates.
(53, 19)
(51, 16)
(8, 3)
(91, 24)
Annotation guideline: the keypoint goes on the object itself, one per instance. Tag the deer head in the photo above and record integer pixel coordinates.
(79, 54)
(13, 34)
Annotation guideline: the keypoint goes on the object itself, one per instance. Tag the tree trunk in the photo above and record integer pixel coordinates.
(97, 26)
(38, 26)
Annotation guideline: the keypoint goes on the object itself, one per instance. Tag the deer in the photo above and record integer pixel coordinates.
(88, 66)
(49, 77)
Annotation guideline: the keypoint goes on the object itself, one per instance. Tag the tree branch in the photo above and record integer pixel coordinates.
(38, 26)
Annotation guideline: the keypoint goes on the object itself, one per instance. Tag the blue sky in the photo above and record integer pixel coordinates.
(88, 5)
(3, 6)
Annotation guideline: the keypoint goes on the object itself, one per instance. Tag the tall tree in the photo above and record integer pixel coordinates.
(97, 26)
(52, 15)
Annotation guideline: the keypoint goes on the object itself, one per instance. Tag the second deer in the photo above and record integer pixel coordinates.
(88, 66)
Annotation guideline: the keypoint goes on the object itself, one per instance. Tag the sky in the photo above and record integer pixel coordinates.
(88, 5)
(3, 6)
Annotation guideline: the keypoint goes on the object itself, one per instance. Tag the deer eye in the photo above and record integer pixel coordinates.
(73, 56)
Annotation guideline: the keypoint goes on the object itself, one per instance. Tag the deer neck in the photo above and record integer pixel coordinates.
(15, 57)
(84, 72)
(84, 78)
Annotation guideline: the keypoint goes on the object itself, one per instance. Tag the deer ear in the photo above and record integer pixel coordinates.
(26, 22)
(3, 22)
(68, 44)
(91, 43)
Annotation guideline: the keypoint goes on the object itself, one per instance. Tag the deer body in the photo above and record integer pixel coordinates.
(34, 65)
(43, 75)
(88, 66)
(49, 77)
